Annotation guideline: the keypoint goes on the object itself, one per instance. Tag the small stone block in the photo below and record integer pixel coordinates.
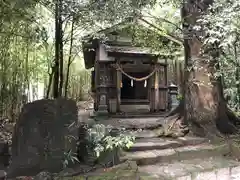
(3, 175)
(188, 140)
(165, 155)
(205, 176)
(151, 145)
(174, 170)
(145, 134)
(235, 173)
(184, 178)
(223, 174)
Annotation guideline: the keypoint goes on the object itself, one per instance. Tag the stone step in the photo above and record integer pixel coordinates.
(139, 134)
(191, 140)
(175, 154)
(134, 123)
(154, 143)
(139, 115)
(217, 168)
(143, 144)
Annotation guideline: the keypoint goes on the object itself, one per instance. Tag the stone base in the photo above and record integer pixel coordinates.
(102, 111)
(3, 175)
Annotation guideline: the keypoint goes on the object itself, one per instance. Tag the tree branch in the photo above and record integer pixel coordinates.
(168, 36)
(15, 34)
(163, 19)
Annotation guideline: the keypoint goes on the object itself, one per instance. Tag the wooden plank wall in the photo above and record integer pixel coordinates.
(163, 89)
(175, 72)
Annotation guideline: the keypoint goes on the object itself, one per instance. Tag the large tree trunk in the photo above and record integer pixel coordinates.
(50, 75)
(60, 49)
(69, 59)
(204, 108)
(57, 50)
(237, 74)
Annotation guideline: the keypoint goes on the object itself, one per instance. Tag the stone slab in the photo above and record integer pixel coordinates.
(134, 123)
(149, 142)
(187, 177)
(45, 130)
(201, 150)
(169, 171)
(217, 168)
(3, 175)
(205, 176)
(223, 173)
(172, 154)
(145, 134)
(142, 157)
(190, 140)
(235, 173)
(154, 143)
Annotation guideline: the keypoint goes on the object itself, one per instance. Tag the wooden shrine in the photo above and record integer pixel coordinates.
(126, 78)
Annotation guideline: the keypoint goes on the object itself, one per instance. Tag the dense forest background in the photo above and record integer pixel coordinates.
(41, 53)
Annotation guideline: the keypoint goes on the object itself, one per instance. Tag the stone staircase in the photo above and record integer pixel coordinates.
(185, 158)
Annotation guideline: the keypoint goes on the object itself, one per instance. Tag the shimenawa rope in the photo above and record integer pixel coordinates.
(134, 78)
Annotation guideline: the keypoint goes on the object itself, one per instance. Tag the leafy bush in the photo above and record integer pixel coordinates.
(69, 157)
(222, 26)
(102, 138)
(179, 97)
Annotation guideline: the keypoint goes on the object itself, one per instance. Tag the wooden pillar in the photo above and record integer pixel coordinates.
(102, 89)
(151, 89)
(93, 88)
(118, 90)
(166, 84)
(156, 88)
(96, 81)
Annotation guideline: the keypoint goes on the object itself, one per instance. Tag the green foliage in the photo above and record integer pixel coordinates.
(101, 139)
(69, 157)
(222, 27)
(179, 97)
(19, 33)
(151, 38)
(27, 42)
(79, 84)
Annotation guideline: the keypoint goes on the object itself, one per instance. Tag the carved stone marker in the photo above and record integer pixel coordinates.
(4, 155)
(42, 135)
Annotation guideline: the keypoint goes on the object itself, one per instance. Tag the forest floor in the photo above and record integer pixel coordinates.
(6, 130)
(155, 157)
(185, 158)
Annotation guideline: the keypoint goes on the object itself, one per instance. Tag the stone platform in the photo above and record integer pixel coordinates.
(134, 123)
(185, 158)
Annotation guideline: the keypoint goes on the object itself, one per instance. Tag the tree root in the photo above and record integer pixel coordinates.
(174, 127)
(171, 126)
(174, 123)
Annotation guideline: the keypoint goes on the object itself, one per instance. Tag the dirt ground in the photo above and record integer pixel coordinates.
(6, 130)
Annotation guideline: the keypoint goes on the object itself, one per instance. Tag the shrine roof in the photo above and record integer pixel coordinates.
(92, 42)
(130, 50)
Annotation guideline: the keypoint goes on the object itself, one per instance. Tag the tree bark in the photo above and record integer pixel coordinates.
(26, 78)
(56, 66)
(60, 49)
(49, 82)
(69, 59)
(237, 74)
(203, 107)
